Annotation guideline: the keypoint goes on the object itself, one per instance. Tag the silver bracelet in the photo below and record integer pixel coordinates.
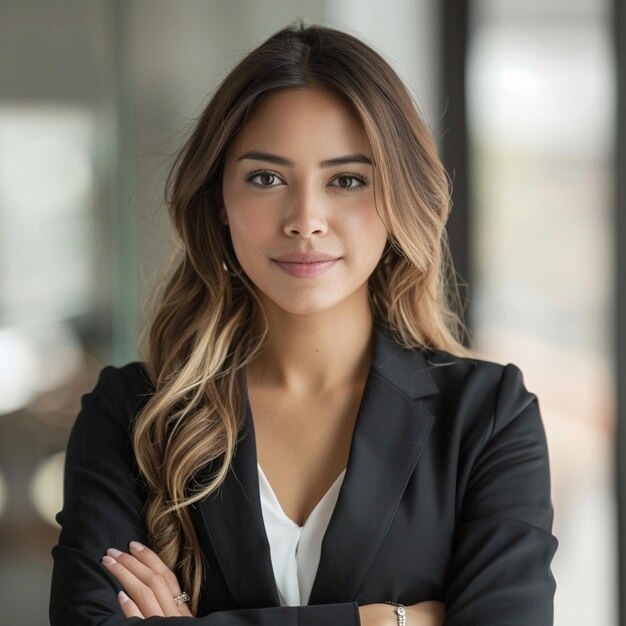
(400, 612)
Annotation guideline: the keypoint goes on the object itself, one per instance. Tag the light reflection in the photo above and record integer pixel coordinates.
(56, 162)
(35, 360)
(47, 195)
(20, 366)
(520, 91)
(46, 487)
(60, 354)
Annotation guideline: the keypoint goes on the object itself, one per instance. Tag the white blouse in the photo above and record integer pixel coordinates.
(295, 550)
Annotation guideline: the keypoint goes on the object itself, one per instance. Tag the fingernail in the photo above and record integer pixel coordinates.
(135, 545)
(113, 552)
(107, 560)
(123, 597)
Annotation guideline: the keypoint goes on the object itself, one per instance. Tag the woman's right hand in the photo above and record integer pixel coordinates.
(150, 587)
(427, 613)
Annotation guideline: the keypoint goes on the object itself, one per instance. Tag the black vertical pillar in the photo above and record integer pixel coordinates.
(454, 143)
(619, 9)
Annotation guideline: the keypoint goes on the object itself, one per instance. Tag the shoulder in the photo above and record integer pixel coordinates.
(478, 373)
(464, 391)
(479, 386)
(460, 380)
(445, 366)
(121, 391)
(101, 431)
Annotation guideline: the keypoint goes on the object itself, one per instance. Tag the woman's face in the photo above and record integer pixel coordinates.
(299, 202)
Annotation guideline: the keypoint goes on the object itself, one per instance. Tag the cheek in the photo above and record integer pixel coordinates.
(366, 233)
(250, 230)
(245, 212)
(245, 221)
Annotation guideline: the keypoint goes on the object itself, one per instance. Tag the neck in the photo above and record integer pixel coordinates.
(314, 354)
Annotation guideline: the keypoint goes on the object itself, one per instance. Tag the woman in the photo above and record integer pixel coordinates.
(308, 441)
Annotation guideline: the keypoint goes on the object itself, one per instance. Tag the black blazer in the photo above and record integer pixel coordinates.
(446, 497)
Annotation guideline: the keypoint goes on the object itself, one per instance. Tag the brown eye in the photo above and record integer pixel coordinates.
(349, 182)
(263, 179)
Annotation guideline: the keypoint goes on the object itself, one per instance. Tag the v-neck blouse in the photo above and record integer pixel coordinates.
(295, 550)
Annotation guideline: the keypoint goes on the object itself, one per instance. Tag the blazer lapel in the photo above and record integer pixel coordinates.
(391, 430)
(234, 521)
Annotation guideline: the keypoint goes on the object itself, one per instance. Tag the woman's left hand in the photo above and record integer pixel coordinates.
(149, 585)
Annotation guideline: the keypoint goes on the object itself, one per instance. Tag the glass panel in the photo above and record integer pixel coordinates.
(59, 156)
(541, 120)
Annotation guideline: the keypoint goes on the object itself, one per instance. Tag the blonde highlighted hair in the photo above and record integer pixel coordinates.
(203, 334)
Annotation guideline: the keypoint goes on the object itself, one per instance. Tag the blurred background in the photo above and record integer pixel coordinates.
(95, 99)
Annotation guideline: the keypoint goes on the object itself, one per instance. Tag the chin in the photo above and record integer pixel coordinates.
(302, 304)
(314, 306)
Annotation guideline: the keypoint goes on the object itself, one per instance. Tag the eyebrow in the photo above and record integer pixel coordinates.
(279, 160)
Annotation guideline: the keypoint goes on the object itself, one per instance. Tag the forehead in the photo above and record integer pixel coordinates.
(301, 120)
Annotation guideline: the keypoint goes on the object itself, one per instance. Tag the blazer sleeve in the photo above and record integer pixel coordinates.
(500, 568)
(103, 507)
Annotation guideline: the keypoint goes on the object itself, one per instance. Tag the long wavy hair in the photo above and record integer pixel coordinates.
(203, 335)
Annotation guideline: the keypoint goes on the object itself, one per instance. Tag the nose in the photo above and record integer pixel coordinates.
(306, 216)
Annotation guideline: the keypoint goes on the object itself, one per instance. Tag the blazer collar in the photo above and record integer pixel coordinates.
(403, 368)
(391, 430)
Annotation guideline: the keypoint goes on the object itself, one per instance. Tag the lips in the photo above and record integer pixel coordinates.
(312, 256)
(306, 264)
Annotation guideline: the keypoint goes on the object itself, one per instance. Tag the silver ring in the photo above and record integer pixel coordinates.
(182, 598)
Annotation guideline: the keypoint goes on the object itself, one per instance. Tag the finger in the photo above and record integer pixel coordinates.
(156, 581)
(143, 597)
(129, 608)
(153, 561)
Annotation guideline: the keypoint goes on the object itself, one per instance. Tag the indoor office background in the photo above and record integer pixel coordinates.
(95, 99)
